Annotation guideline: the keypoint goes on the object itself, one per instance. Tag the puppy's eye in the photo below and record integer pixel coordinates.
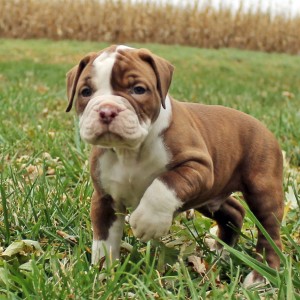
(139, 90)
(86, 92)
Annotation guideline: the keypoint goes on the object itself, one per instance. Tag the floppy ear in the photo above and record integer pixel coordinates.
(73, 77)
(163, 71)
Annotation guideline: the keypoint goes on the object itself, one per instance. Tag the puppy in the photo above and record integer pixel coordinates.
(160, 156)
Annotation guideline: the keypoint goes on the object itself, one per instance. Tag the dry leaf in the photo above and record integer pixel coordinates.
(198, 264)
(70, 238)
(24, 248)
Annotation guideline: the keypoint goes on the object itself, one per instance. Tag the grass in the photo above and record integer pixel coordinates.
(45, 186)
(193, 23)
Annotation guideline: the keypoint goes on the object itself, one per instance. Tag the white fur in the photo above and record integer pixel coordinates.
(153, 217)
(211, 242)
(162, 122)
(111, 246)
(103, 68)
(123, 47)
(214, 246)
(250, 281)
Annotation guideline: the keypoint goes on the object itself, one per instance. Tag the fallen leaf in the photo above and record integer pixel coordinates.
(50, 172)
(197, 264)
(291, 199)
(26, 266)
(288, 95)
(51, 134)
(22, 248)
(70, 238)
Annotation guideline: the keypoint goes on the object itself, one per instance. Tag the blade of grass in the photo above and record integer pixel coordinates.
(5, 214)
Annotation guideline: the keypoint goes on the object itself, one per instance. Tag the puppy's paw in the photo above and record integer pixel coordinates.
(189, 214)
(210, 242)
(253, 279)
(214, 246)
(148, 224)
(97, 252)
(153, 217)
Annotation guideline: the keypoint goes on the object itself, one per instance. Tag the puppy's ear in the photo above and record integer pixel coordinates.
(163, 71)
(73, 77)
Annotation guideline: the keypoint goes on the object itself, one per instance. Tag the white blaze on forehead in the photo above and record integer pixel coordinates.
(123, 47)
(103, 68)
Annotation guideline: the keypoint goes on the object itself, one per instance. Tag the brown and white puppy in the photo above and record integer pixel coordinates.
(160, 156)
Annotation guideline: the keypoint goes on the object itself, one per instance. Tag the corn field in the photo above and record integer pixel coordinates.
(147, 21)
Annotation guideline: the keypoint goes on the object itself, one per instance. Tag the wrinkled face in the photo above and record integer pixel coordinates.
(118, 94)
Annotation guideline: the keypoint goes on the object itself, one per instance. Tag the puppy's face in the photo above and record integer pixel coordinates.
(118, 94)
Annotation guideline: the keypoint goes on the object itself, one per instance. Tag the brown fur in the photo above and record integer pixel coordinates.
(227, 151)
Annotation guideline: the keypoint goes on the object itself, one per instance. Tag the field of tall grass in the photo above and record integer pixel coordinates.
(150, 21)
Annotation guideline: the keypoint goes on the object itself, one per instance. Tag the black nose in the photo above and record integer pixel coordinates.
(107, 114)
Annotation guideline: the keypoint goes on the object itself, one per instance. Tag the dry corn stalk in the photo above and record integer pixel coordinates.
(148, 21)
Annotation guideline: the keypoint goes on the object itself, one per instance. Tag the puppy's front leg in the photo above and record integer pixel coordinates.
(107, 229)
(153, 216)
(167, 193)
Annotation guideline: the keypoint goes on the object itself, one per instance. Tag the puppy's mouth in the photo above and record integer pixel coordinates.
(110, 139)
(108, 135)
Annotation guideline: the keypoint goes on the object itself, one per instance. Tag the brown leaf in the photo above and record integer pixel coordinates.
(71, 239)
(198, 264)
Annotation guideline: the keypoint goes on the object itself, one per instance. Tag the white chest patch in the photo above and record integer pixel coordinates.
(126, 174)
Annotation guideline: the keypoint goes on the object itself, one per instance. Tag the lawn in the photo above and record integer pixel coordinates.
(45, 229)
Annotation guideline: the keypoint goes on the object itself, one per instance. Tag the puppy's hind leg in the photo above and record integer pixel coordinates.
(267, 206)
(229, 218)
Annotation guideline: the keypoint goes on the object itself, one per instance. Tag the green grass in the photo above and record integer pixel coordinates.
(45, 184)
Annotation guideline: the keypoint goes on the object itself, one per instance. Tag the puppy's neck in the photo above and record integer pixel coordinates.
(161, 123)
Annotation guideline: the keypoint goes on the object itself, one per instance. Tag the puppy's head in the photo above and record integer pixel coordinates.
(118, 94)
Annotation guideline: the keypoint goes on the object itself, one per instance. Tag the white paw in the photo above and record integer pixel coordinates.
(147, 225)
(97, 252)
(190, 214)
(153, 217)
(252, 280)
(214, 246)
(109, 248)
(211, 244)
(104, 251)
(209, 241)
